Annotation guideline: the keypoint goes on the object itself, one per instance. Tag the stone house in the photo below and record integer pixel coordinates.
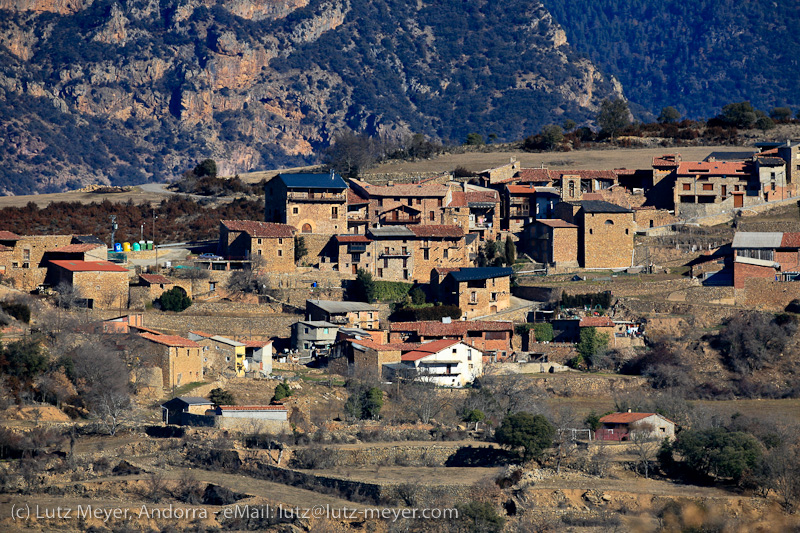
(485, 213)
(493, 338)
(437, 246)
(91, 251)
(766, 255)
(605, 235)
(364, 356)
(358, 213)
(477, 291)
(99, 284)
(404, 203)
(172, 411)
(312, 203)
(313, 338)
(157, 285)
(623, 426)
(181, 359)
(351, 314)
(446, 363)
(248, 239)
(392, 253)
(553, 242)
(22, 257)
(221, 352)
(252, 412)
(348, 253)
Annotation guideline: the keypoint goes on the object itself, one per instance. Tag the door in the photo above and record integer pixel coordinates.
(738, 200)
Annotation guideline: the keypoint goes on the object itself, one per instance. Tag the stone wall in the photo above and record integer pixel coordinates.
(767, 294)
(536, 294)
(569, 384)
(406, 177)
(106, 289)
(607, 245)
(316, 242)
(257, 327)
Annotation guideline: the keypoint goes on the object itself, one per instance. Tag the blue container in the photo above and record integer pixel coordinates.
(117, 247)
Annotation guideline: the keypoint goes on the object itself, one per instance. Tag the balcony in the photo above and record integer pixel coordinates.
(402, 220)
(356, 248)
(395, 253)
(316, 197)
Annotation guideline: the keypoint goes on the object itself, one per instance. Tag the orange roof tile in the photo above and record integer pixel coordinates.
(627, 418)
(435, 328)
(482, 196)
(9, 236)
(521, 189)
(429, 348)
(88, 266)
(790, 240)
(713, 168)
(458, 199)
(596, 322)
(252, 408)
(403, 189)
(353, 198)
(556, 223)
(353, 238)
(171, 340)
(77, 248)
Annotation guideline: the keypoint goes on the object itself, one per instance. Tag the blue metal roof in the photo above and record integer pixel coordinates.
(473, 274)
(313, 181)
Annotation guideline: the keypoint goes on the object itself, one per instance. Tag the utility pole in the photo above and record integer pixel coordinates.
(154, 237)
(113, 229)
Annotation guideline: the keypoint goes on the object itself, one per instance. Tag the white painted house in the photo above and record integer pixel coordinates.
(446, 362)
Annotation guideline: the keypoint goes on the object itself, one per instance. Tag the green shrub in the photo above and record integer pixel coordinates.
(281, 391)
(532, 433)
(221, 397)
(174, 299)
(19, 311)
(393, 291)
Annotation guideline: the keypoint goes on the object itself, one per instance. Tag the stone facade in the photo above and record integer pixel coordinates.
(488, 337)
(102, 284)
(478, 297)
(312, 203)
(248, 239)
(404, 204)
(650, 217)
(552, 242)
(605, 236)
(766, 294)
(180, 360)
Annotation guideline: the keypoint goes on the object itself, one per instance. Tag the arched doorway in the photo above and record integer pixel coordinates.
(306, 228)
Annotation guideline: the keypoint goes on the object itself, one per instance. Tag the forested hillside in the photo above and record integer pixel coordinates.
(696, 56)
(127, 92)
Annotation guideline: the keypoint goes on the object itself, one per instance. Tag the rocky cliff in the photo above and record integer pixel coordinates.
(126, 92)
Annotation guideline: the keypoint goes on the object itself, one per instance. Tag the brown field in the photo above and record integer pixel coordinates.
(580, 159)
(137, 195)
(421, 475)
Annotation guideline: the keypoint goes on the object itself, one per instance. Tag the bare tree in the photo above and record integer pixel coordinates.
(68, 296)
(645, 445)
(112, 408)
(422, 399)
(512, 393)
(564, 447)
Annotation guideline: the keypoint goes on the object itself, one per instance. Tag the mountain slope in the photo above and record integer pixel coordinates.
(125, 92)
(696, 56)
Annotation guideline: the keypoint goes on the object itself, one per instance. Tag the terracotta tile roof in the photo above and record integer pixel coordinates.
(596, 322)
(530, 174)
(667, 160)
(626, 418)
(404, 190)
(257, 344)
(437, 231)
(4, 248)
(790, 240)
(556, 223)
(482, 196)
(768, 153)
(713, 168)
(202, 334)
(171, 340)
(260, 229)
(353, 238)
(521, 189)
(77, 248)
(252, 408)
(434, 328)
(8, 236)
(458, 199)
(394, 346)
(429, 348)
(88, 266)
(592, 196)
(155, 279)
(353, 198)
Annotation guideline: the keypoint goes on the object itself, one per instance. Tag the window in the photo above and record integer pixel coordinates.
(454, 351)
(591, 231)
(305, 345)
(687, 186)
(469, 356)
(473, 297)
(280, 253)
(306, 331)
(627, 231)
(405, 250)
(355, 258)
(26, 254)
(280, 241)
(405, 274)
(212, 286)
(426, 254)
(385, 263)
(335, 212)
(571, 189)
(495, 335)
(708, 186)
(494, 297)
(432, 215)
(439, 202)
(609, 222)
(259, 241)
(294, 211)
(446, 253)
(325, 331)
(380, 202)
(386, 250)
(380, 272)
(419, 201)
